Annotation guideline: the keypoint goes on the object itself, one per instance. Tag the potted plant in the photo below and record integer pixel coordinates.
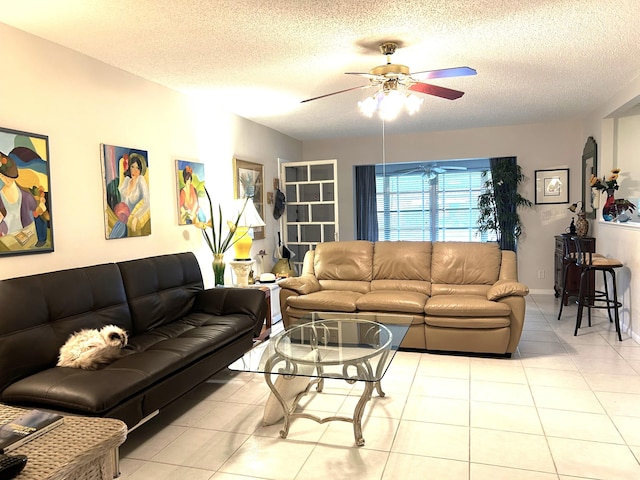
(499, 203)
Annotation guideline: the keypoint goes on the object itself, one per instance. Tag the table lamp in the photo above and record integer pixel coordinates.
(250, 218)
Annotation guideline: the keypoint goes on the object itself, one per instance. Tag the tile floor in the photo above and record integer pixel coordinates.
(563, 408)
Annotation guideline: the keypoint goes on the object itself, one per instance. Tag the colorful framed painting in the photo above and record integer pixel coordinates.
(248, 181)
(127, 209)
(552, 186)
(190, 182)
(25, 193)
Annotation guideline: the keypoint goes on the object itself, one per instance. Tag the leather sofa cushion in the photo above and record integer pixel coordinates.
(467, 322)
(148, 358)
(465, 306)
(465, 263)
(344, 261)
(345, 285)
(440, 289)
(402, 261)
(506, 288)
(392, 301)
(326, 300)
(404, 285)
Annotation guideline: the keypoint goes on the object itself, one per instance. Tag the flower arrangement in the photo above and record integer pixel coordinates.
(608, 183)
(217, 244)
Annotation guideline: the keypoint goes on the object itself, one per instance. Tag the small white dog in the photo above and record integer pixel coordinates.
(91, 349)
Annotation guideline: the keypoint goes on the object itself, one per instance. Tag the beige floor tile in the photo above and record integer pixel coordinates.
(497, 392)
(559, 398)
(556, 378)
(270, 458)
(389, 406)
(551, 362)
(300, 429)
(548, 348)
(340, 463)
(540, 336)
(495, 371)
(593, 459)
(200, 448)
(510, 449)
(500, 416)
(414, 467)
(149, 439)
(629, 428)
(163, 471)
(579, 425)
(444, 366)
(378, 433)
(606, 382)
(614, 365)
(492, 472)
(432, 439)
(233, 417)
(437, 410)
(441, 387)
(623, 404)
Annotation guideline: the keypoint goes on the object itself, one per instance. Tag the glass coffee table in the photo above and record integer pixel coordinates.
(346, 346)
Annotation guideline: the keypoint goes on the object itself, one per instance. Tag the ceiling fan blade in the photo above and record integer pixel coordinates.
(335, 93)
(443, 73)
(442, 92)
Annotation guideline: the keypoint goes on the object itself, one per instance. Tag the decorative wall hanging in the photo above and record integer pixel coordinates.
(552, 186)
(190, 181)
(127, 211)
(248, 181)
(25, 194)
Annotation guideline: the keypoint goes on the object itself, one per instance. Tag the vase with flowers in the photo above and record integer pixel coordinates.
(613, 207)
(217, 242)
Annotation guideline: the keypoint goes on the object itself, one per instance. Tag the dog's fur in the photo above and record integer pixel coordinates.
(93, 349)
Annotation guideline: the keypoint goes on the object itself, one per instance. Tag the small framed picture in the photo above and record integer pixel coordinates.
(552, 186)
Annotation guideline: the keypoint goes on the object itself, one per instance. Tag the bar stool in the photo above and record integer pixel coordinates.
(588, 262)
(569, 261)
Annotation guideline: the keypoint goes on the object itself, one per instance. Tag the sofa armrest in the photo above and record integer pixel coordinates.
(229, 301)
(507, 288)
(302, 285)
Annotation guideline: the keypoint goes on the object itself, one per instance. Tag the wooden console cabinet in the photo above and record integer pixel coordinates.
(573, 275)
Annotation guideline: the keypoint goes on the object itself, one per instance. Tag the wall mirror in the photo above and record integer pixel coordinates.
(589, 166)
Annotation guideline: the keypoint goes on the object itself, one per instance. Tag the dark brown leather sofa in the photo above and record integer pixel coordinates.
(179, 335)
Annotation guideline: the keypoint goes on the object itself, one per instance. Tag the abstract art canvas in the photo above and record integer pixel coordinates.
(127, 211)
(190, 181)
(25, 193)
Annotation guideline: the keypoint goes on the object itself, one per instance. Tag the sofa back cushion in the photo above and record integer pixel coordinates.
(350, 261)
(39, 312)
(402, 261)
(160, 289)
(465, 263)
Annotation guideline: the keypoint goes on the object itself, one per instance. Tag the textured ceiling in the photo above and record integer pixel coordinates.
(537, 60)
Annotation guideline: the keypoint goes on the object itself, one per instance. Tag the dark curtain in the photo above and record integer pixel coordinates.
(505, 192)
(366, 206)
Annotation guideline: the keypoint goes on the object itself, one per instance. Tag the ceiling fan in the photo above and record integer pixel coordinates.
(394, 77)
(429, 171)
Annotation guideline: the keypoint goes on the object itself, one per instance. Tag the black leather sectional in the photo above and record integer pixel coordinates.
(179, 335)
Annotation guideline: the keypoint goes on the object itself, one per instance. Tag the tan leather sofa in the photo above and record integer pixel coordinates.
(463, 296)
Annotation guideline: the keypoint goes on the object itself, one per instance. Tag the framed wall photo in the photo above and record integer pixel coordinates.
(552, 186)
(25, 193)
(190, 182)
(248, 181)
(127, 210)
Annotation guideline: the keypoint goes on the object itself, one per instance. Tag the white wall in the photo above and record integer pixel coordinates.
(80, 103)
(618, 241)
(539, 146)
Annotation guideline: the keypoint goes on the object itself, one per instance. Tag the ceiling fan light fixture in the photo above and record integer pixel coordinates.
(389, 103)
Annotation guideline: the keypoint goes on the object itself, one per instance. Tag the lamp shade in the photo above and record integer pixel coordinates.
(250, 217)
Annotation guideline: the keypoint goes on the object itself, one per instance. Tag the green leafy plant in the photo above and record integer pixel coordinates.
(219, 244)
(499, 203)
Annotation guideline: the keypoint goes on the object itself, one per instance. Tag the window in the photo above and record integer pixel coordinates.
(430, 201)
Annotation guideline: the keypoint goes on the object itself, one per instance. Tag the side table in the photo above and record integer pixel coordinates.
(81, 448)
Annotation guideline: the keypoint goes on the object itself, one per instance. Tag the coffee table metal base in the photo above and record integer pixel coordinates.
(291, 413)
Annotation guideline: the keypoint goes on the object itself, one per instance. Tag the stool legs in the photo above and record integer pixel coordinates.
(590, 302)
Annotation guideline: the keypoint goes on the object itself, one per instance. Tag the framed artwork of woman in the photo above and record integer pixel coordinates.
(25, 193)
(127, 209)
(190, 182)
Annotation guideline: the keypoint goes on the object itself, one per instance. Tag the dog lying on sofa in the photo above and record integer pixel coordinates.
(179, 335)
